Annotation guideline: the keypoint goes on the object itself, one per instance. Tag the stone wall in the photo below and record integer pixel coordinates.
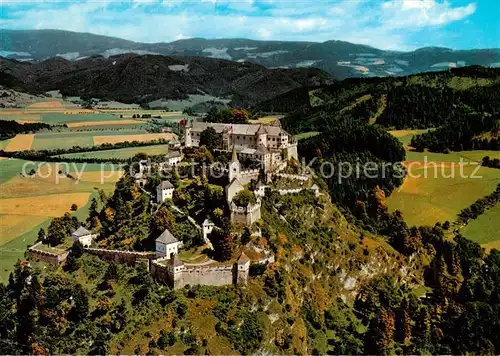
(246, 176)
(245, 215)
(121, 256)
(211, 276)
(45, 256)
(160, 271)
(302, 177)
(314, 189)
(195, 275)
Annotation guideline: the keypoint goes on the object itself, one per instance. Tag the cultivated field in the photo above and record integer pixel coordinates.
(440, 197)
(68, 139)
(104, 123)
(267, 120)
(121, 152)
(405, 136)
(99, 140)
(20, 143)
(38, 205)
(30, 202)
(304, 135)
(426, 201)
(46, 104)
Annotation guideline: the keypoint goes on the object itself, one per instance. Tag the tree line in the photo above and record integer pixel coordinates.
(355, 144)
(465, 132)
(10, 128)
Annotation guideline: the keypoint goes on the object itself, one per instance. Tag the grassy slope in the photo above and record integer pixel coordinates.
(426, 201)
(486, 228)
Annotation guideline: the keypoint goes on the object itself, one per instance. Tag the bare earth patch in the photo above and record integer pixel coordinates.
(20, 143)
(99, 140)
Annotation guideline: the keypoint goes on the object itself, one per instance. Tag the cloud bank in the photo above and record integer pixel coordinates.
(384, 24)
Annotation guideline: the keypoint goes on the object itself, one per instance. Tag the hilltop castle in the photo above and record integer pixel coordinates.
(271, 146)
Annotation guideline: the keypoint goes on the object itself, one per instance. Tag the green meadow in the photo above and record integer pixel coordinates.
(121, 152)
(68, 139)
(426, 201)
(61, 118)
(485, 228)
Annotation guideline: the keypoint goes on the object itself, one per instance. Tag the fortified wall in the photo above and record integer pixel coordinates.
(245, 215)
(246, 176)
(130, 257)
(302, 177)
(197, 275)
(45, 256)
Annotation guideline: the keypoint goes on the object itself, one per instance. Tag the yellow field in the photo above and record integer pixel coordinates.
(401, 133)
(21, 117)
(46, 104)
(491, 245)
(33, 111)
(20, 143)
(22, 121)
(48, 181)
(37, 205)
(98, 123)
(96, 176)
(99, 140)
(12, 226)
(267, 120)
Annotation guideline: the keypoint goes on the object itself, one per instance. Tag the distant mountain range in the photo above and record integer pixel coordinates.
(340, 59)
(133, 78)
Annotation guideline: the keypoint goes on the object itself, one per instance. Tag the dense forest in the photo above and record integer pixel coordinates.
(464, 132)
(448, 304)
(354, 144)
(427, 100)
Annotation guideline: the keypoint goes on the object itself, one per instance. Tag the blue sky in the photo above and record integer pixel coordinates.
(386, 24)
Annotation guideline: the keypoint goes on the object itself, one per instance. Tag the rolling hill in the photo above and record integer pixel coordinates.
(341, 59)
(132, 78)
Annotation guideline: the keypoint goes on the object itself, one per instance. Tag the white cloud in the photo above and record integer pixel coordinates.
(385, 25)
(422, 13)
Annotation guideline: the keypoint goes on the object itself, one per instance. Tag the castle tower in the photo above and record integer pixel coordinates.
(261, 136)
(234, 166)
(188, 142)
(243, 268)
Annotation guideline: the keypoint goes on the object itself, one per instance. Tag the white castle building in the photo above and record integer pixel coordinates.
(164, 191)
(269, 145)
(84, 236)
